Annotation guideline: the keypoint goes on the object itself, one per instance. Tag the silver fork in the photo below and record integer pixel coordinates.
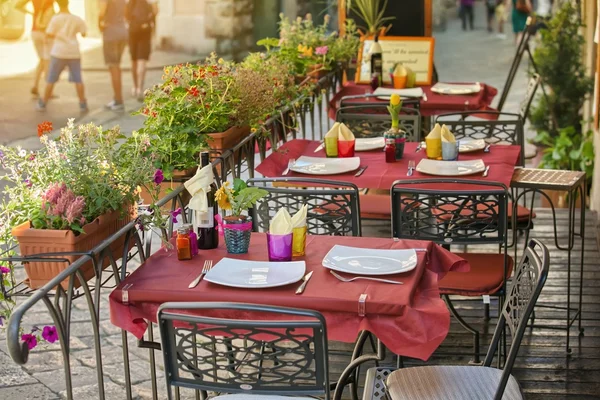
(486, 171)
(411, 167)
(486, 149)
(291, 163)
(366, 278)
(207, 266)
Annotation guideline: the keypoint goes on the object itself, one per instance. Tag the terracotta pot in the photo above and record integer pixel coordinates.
(560, 199)
(165, 187)
(315, 72)
(228, 139)
(35, 241)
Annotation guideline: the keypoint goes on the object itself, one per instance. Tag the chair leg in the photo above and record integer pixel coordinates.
(468, 328)
(486, 312)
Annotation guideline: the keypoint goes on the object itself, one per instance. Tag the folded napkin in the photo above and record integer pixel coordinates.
(334, 131)
(436, 132)
(344, 133)
(299, 219)
(447, 136)
(199, 187)
(281, 224)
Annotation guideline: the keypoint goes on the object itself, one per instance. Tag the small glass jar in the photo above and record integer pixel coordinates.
(390, 149)
(193, 239)
(184, 248)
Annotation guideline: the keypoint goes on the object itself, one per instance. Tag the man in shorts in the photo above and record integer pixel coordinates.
(114, 38)
(63, 28)
(43, 10)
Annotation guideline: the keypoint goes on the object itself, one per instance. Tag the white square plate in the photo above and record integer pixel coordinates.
(354, 260)
(255, 274)
(450, 168)
(325, 166)
(367, 144)
(456, 88)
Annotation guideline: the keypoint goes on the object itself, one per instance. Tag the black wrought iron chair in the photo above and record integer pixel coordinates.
(469, 382)
(226, 354)
(333, 207)
(474, 214)
(374, 120)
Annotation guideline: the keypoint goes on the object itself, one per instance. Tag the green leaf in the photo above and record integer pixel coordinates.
(239, 185)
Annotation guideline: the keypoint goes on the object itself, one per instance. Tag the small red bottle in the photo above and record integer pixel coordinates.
(390, 149)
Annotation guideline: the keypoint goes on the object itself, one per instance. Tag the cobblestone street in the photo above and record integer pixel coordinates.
(460, 56)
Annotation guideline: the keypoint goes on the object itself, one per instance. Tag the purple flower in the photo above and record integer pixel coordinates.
(321, 51)
(30, 340)
(28, 183)
(175, 214)
(2, 320)
(4, 270)
(158, 177)
(1, 154)
(49, 334)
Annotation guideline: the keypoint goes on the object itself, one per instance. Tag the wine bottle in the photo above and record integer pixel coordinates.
(206, 224)
(376, 58)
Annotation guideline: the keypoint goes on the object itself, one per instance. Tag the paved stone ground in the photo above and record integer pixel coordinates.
(460, 56)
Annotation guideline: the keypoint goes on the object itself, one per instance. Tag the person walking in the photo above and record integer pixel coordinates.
(43, 11)
(112, 23)
(520, 12)
(501, 17)
(466, 13)
(490, 6)
(63, 28)
(141, 15)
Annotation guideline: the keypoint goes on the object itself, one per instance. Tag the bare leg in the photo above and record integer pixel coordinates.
(48, 92)
(134, 73)
(518, 37)
(141, 75)
(80, 92)
(115, 77)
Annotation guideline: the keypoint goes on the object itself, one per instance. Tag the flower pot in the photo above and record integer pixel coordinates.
(316, 72)
(219, 142)
(560, 199)
(36, 241)
(237, 230)
(165, 188)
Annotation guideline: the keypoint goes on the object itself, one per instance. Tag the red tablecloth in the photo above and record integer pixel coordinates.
(410, 319)
(379, 174)
(436, 104)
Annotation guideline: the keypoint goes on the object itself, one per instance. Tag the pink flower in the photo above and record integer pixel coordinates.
(30, 340)
(321, 51)
(63, 203)
(49, 334)
(75, 210)
(175, 214)
(4, 270)
(54, 192)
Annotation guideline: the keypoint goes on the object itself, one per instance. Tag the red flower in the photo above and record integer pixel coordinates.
(214, 73)
(146, 111)
(174, 81)
(44, 127)
(207, 106)
(153, 114)
(193, 91)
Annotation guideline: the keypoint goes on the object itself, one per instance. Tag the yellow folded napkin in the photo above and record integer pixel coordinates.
(333, 132)
(199, 187)
(436, 132)
(344, 133)
(299, 219)
(281, 224)
(447, 136)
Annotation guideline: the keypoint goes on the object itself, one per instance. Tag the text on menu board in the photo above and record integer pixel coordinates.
(413, 52)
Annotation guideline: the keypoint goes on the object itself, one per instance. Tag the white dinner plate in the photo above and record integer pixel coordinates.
(359, 261)
(367, 144)
(325, 166)
(466, 146)
(456, 88)
(450, 168)
(255, 274)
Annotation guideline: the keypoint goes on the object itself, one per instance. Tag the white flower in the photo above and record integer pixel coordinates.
(22, 153)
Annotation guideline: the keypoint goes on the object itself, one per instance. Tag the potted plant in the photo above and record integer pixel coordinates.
(569, 150)
(69, 196)
(371, 12)
(395, 132)
(237, 227)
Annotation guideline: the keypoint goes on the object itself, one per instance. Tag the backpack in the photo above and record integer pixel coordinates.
(140, 16)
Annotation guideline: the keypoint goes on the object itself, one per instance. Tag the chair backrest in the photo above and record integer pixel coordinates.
(333, 207)
(374, 120)
(504, 128)
(450, 211)
(281, 352)
(527, 283)
(532, 85)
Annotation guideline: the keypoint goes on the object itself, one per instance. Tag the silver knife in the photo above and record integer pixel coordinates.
(360, 171)
(320, 147)
(306, 278)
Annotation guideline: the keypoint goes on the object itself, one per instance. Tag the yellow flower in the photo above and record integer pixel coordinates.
(221, 61)
(395, 100)
(305, 50)
(222, 197)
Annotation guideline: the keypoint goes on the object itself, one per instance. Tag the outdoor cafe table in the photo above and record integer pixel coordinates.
(502, 160)
(432, 104)
(410, 319)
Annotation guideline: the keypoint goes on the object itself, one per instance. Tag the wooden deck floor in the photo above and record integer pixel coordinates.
(543, 368)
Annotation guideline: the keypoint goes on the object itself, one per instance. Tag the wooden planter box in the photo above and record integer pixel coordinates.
(165, 187)
(36, 241)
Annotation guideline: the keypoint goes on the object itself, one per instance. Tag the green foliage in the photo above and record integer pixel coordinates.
(559, 61)
(568, 151)
(372, 13)
(239, 198)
